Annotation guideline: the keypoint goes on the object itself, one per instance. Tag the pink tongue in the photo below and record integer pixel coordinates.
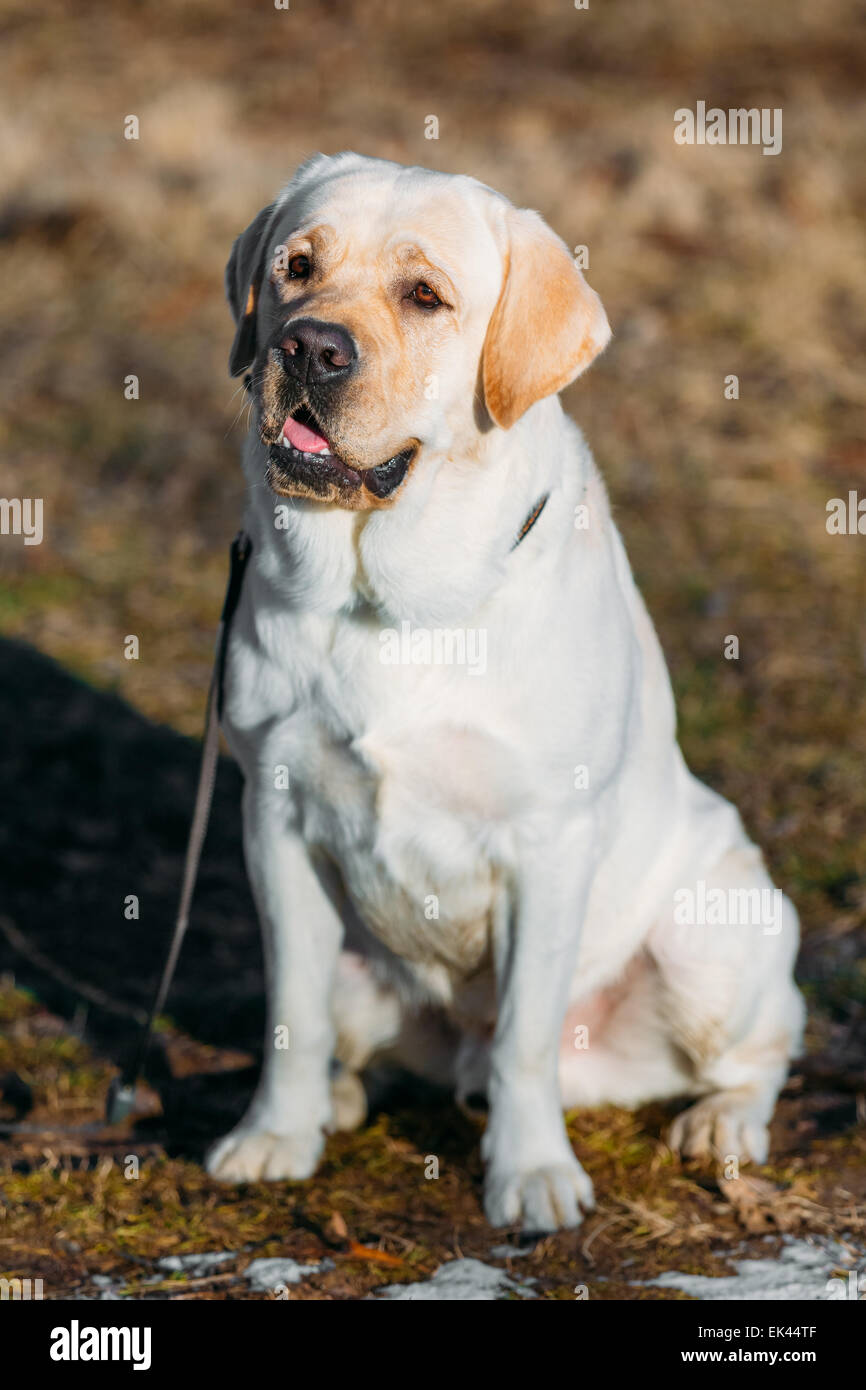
(307, 440)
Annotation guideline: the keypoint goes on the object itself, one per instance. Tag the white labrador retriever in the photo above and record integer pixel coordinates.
(474, 844)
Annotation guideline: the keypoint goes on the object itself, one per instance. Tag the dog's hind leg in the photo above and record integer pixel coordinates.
(616, 1048)
(367, 1017)
(725, 955)
(377, 1032)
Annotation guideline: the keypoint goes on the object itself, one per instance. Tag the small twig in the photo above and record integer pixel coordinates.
(603, 1226)
(183, 1285)
(18, 941)
(23, 1127)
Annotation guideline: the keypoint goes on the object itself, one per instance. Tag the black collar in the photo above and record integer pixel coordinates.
(531, 520)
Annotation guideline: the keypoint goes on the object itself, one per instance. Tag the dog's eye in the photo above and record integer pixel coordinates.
(423, 295)
(299, 267)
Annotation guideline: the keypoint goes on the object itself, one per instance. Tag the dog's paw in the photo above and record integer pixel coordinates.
(549, 1198)
(719, 1127)
(257, 1155)
(348, 1100)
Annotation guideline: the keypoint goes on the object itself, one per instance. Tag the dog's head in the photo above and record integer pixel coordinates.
(383, 311)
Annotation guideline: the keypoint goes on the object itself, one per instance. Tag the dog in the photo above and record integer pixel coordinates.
(474, 845)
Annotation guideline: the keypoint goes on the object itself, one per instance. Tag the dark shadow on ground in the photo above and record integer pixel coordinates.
(96, 803)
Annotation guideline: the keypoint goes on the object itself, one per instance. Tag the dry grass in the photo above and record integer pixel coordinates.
(710, 261)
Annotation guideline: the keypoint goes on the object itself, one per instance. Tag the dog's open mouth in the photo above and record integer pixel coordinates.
(303, 455)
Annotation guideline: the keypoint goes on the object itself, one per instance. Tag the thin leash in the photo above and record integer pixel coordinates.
(121, 1094)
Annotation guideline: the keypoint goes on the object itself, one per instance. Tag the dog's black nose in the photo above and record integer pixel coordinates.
(317, 352)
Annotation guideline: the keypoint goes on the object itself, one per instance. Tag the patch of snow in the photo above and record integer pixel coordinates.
(801, 1271)
(265, 1275)
(511, 1252)
(195, 1265)
(463, 1281)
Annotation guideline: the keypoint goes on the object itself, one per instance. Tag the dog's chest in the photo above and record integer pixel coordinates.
(404, 788)
(412, 863)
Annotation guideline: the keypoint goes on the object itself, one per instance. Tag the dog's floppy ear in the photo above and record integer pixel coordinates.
(243, 285)
(547, 326)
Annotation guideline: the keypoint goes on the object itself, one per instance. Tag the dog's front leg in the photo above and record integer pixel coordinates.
(532, 1174)
(282, 1133)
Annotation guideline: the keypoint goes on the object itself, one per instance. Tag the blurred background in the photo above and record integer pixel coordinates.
(710, 261)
